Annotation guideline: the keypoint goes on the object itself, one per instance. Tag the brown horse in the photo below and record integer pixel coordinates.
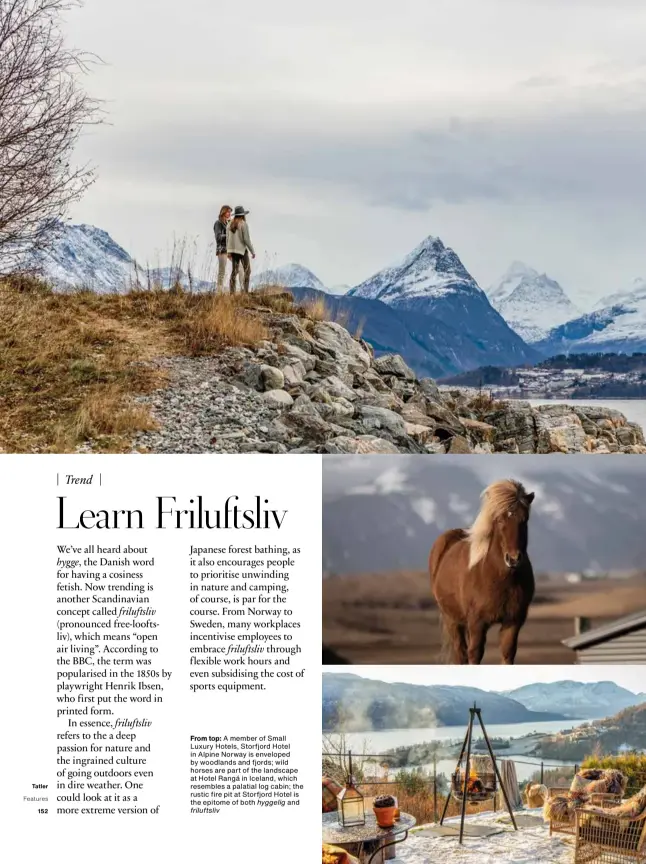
(482, 576)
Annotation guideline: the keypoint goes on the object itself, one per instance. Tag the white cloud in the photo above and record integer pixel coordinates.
(392, 480)
(459, 506)
(550, 507)
(505, 146)
(425, 508)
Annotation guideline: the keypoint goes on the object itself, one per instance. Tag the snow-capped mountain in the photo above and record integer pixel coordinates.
(507, 284)
(289, 276)
(83, 256)
(431, 280)
(339, 290)
(530, 302)
(431, 271)
(576, 698)
(636, 291)
(619, 326)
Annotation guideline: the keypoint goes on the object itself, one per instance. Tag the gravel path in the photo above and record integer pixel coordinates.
(204, 411)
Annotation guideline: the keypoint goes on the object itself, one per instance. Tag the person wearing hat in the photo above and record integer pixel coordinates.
(220, 230)
(239, 247)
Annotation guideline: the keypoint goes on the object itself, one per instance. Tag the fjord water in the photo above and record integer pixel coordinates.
(386, 739)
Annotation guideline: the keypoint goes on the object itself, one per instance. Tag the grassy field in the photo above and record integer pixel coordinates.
(72, 364)
(391, 618)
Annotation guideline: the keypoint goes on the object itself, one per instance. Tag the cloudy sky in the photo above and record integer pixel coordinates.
(381, 514)
(513, 129)
(500, 678)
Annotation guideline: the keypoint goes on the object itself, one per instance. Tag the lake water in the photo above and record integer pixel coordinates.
(633, 409)
(387, 739)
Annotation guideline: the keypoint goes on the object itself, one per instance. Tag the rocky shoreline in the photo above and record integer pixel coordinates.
(314, 388)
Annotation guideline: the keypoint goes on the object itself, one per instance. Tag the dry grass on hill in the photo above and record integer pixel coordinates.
(71, 364)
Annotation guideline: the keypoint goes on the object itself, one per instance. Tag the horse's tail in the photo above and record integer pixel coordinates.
(438, 550)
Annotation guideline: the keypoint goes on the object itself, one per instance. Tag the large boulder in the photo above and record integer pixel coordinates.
(338, 388)
(277, 398)
(312, 427)
(272, 378)
(413, 413)
(393, 364)
(294, 352)
(444, 418)
(559, 430)
(360, 444)
(294, 373)
(599, 412)
(478, 431)
(514, 419)
(430, 389)
(336, 340)
(337, 410)
(373, 418)
(459, 444)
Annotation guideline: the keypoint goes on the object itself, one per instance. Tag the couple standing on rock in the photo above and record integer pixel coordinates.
(233, 243)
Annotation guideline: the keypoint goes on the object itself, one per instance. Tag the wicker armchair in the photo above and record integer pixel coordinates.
(609, 838)
(568, 825)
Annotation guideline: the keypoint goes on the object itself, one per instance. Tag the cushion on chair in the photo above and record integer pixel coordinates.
(330, 790)
(335, 855)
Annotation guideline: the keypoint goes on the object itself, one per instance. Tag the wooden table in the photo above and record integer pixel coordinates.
(371, 841)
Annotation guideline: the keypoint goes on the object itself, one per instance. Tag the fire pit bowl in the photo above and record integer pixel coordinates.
(479, 787)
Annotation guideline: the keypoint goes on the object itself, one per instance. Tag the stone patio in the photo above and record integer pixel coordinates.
(531, 844)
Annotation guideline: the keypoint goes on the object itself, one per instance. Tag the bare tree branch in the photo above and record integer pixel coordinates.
(43, 109)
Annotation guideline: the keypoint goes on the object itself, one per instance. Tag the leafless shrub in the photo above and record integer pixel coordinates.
(43, 109)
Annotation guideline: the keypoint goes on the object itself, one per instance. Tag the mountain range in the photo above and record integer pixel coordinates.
(618, 324)
(385, 515)
(87, 257)
(352, 703)
(577, 699)
(426, 307)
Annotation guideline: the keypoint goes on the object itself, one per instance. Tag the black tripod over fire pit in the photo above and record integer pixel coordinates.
(473, 787)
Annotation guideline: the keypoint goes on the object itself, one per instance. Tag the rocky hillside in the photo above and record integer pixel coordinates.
(623, 731)
(429, 346)
(353, 703)
(312, 387)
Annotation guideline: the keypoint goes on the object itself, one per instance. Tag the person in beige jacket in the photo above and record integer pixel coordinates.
(239, 246)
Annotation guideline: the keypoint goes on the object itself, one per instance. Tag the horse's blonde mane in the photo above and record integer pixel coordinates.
(497, 499)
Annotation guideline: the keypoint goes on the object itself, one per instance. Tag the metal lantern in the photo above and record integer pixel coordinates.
(351, 807)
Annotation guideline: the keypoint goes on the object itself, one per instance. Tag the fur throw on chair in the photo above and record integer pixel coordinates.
(535, 795)
(588, 782)
(630, 809)
(595, 780)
